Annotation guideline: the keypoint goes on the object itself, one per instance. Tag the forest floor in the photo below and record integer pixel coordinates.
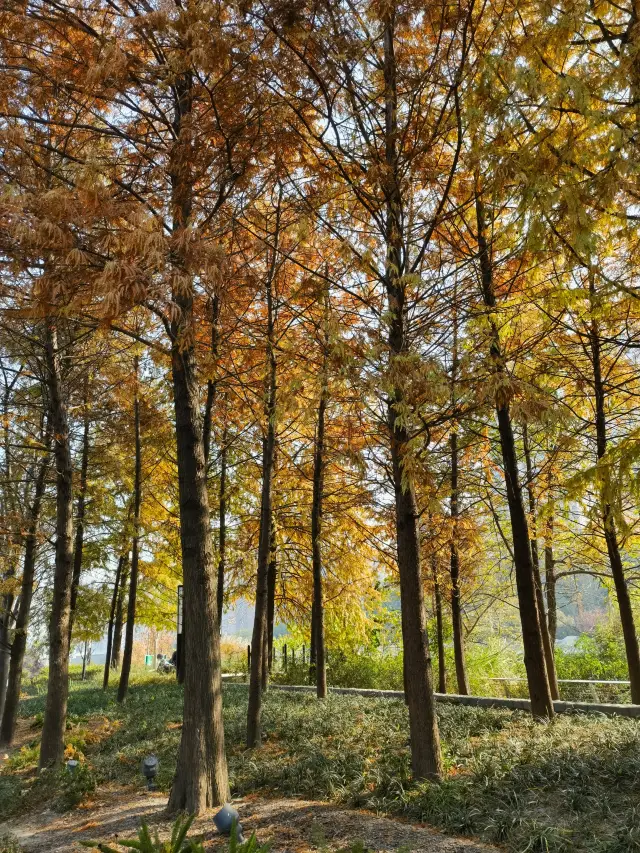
(289, 825)
(569, 785)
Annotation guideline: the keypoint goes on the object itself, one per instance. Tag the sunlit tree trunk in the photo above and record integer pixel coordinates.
(19, 645)
(316, 537)
(80, 512)
(437, 595)
(112, 612)
(55, 714)
(534, 660)
(201, 779)
(123, 686)
(426, 758)
(608, 519)
(120, 610)
(259, 636)
(222, 530)
(544, 627)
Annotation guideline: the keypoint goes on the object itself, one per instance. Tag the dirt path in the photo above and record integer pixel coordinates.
(293, 826)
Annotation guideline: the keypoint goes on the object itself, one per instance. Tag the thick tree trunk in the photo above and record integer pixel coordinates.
(55, 714)
(201, 780)
(10, 712)
(316, 537)
(544, 628)
(608, 520)
(426, 757)
(123, 686)
(437, 594)
(534, 660)
(80, 514)
(256, 683)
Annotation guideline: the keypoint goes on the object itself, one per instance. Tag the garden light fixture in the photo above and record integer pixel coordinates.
(150, 771)
(224, 821)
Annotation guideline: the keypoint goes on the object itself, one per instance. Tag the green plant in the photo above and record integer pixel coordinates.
(178, 843)
(74, 786)
(251, 845)
(8, 844)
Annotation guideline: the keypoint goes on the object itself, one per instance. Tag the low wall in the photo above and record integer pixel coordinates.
(476, 701)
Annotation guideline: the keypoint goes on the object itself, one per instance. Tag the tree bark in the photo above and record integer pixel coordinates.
(256, 685)
(454, 571)
(272, 577)
(201, 780)
(544, 628)
(550, 580)
(5, 646)
(114, 604)
(426, 757)
(534, 660)
(316, 527)
(55, 714)
(222, 532)
(80, 514)
(19, 645)
(123, 686)
(608, 519)
(437, 594)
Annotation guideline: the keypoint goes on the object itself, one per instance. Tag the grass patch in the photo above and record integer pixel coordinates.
(571, 785)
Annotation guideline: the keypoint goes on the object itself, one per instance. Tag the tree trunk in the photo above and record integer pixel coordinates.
(201, 780)
(550, 580)
(426, 757)
(534, 661)
(114, 604)
(454, 570)
(5, 647)
(85, 655)
(123, 686)
(608, 518)
(212, 384)
(268, 455)
(119, 620)
(55, 714)
(316, 532)
(222, 533)
(272, 577)
(544, 628)
(80, 514)
(437, 594)
(19, 645)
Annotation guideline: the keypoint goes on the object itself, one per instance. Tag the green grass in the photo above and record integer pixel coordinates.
(572, 785)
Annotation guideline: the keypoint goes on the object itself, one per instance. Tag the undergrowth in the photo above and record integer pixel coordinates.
(571, 785)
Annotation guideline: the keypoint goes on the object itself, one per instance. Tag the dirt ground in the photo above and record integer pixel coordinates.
(292, 826)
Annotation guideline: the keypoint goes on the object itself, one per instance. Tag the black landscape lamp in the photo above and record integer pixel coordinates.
(224, 821)
(150, 771)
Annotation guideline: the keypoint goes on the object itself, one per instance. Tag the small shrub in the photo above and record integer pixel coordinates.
(75, 786)
(178, 843)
